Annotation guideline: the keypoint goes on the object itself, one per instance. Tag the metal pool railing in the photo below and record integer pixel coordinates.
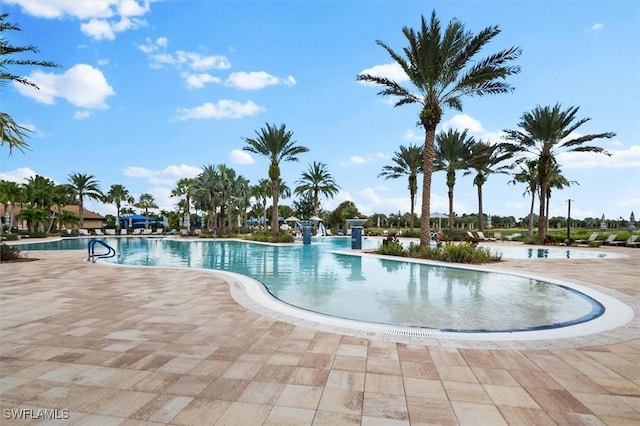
(92, 256)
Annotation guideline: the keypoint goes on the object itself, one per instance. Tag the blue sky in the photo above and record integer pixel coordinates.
(150, 92)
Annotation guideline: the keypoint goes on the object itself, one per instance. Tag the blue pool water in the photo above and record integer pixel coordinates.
(317, 278)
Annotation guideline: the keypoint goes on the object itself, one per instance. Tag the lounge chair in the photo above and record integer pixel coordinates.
(123, 231)
(481, 237)
(83, 232)
(609, 240)
(634, 243)
(98, 232)
(147, 231)
(159, 231)
(631, 240)
(110, 231)
(472, 238)
(591, 238)
(137, 231)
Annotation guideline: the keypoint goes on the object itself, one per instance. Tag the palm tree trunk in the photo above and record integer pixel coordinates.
(480, 212)
(450, 194)
(274, 213)
(542, 220)
(533, 200)
(413, 203)
(427, 167)
(81, 212)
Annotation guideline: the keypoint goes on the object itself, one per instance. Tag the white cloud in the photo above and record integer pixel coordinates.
(151, 46)
(98, 29)
(224, 108)
(412, 136)
(475, 128)
(256, 80)
(183, 59)
(18, 175)
(238, 156)
(192, 65)
(597, 26)
(586, 160)
(57, 9)
(391, 71)
(167, 176)
(361, 159)
(82, 115)
(197, 81)
(82, 85)
(101, 19)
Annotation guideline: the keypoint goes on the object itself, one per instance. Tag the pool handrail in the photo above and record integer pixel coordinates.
(92, 256)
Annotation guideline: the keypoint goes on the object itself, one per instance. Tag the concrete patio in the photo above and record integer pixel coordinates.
(107, 345)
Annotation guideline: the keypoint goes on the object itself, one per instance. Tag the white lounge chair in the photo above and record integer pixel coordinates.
(629, 242)
(123, 231)
(591, 238)
(137, 231)
(147, 231)
(609, 240)
(98, 232)
(83, 232)
(483, 238)
(110, 231)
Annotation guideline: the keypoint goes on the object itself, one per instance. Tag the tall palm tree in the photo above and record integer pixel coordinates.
(146, 202)
(184, 187)
(63, 195)
(261, 192)
(39, 191)
(84, 185)
(485, 160)
(13, 193)
(12, 133)
(34, 216)
(276, 144)
(528, 175)
(315, 181)
(242, 197)
(442, 68)
(545, 133)
(452, 153)
(558, 181)
(117, 195)
(408, 161)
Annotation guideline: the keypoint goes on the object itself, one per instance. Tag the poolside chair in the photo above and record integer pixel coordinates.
(609, 240)
(634, 243)
(481, 237)
(147, 231)
(98, 232)
(110, 231)
(159, 231)
(472, 238)
(123, 231)
(631, 240)
(591, 238)
(137, 231)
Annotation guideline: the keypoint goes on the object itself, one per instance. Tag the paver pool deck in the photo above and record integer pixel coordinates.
(117, 345)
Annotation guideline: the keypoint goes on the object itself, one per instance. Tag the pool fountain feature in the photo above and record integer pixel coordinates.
(356, 225)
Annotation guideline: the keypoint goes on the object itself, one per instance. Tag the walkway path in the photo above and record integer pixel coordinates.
(144, 346)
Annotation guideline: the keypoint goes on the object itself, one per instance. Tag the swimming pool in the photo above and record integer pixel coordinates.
(320, 278)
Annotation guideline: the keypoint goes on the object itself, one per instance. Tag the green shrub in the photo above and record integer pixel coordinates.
(11, 237)
(456, 253)
(8, 252)
(266, 237)
(392, 248)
